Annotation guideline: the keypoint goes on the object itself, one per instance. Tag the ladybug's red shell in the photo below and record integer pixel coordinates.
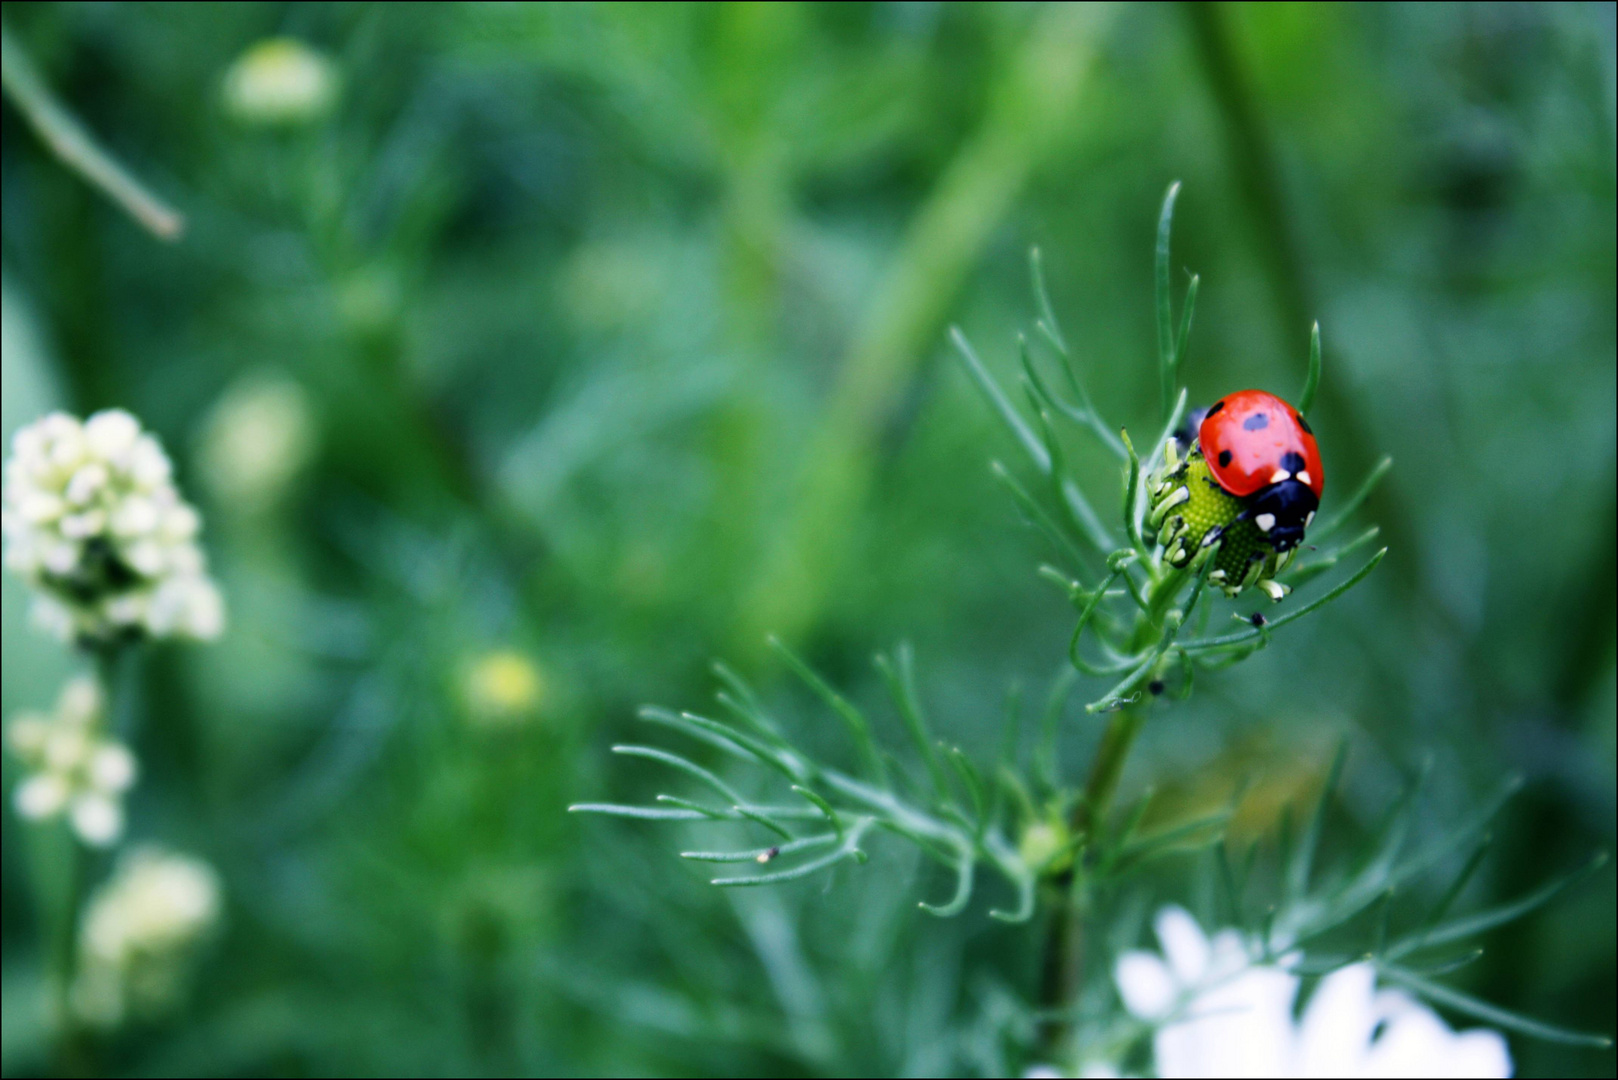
(1252, 439)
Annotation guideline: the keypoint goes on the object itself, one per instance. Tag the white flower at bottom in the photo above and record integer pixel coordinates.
(1220, 1014)
(139, 929)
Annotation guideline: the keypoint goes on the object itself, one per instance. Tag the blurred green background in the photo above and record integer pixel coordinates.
(600, 340)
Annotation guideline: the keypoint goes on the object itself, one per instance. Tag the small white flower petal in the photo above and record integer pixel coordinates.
(1240, 1027)
(27, 442)
(148, 466)
(68, 448)
(97, 819)
(60, 558)
(126, 610)
(145, 557)
(53, 617)
(186, 560)
(1146, 985)
(205, 611)
(1184, 944)
(81, 702)
(180, 523)
(39, 507)
(1228, 955)
(1479, 1052)
(41, 796)
(111, 433)
(112, 768)
(83, 526)
(87, 483)
(1335, 1031)
(135, 516)
(26, 735)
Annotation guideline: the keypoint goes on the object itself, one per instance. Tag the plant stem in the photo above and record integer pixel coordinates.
(65, 902)
(63, 954)
(1063, 968)
(73, 144)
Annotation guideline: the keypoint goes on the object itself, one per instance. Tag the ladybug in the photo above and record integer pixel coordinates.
(1250, 483)
(1261, 450)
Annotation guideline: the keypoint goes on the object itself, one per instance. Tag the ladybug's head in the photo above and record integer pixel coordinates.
(1186, 433)
(1282, 512)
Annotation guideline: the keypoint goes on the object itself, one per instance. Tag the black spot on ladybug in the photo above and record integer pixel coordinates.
(1257, 422)
(1224, 458)
(1215, 408)
(1293, 462)
(1307, 430)
(1258, 619)
(1155, 686)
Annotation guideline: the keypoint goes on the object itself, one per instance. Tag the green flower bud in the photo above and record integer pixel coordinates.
(1196, 520)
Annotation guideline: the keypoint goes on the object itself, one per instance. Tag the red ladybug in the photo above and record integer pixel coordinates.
(1261, 450)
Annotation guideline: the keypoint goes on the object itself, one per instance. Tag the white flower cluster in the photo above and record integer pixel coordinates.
(92, 520)
(74, 766)
(1220, 1014)
(139, 930)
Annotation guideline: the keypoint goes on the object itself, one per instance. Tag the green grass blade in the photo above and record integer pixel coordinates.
(1183, 339)
(900, 676)
(970, 780)
(1165, 304)
(1337, 520)
(1042, 297)
(76, 148)
(1037, 515)
(1301, 865)
(858, 728)
(1311, 382)
(1291, 616)
(1132, 496)
(765, 854)
(649, 813)
(998, 400)
(691, 768)
(1478, 1009)
(1471, 925)
(964, 867)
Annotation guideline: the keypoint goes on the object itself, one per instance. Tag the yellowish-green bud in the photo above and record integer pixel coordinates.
(504, 687)
(1044, 848)
(280, 82)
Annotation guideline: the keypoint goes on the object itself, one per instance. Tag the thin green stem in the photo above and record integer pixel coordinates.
(1064, 943)
(73, 144)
